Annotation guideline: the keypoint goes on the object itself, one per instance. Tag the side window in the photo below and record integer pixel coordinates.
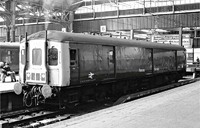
(111, 56)
(23, 56)
(73, 57)
(15, 56)
(53, 56)
(9, 56)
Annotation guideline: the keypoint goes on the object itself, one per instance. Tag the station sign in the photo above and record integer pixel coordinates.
(103, 28)
(173, 39)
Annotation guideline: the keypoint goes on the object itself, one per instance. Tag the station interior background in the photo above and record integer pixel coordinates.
(162, 21)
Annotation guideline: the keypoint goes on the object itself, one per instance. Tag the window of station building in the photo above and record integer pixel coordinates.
(190, 56)
(73, 57)
(53, 56)
(37, 56)
(196, 43)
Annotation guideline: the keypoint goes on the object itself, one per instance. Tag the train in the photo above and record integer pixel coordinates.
(192, 57)
(9, 53)
(66, 68)
(192, 54)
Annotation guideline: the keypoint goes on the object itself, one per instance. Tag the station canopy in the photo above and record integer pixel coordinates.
(58, 10)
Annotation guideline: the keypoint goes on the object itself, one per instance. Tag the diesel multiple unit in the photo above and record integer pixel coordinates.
(71, 67)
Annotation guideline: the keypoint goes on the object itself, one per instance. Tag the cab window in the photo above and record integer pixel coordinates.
(53, 56)
(37, 56)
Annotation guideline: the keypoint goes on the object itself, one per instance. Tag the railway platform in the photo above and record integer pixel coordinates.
(7, 86)
(175, 108)
(8, 99)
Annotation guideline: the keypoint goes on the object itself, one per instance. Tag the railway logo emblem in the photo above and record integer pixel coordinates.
(90, 75)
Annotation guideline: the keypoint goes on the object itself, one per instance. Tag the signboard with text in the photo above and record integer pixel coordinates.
(173, 39)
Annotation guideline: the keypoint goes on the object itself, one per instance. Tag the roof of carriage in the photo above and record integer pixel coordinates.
(9, 44)
(92, 39)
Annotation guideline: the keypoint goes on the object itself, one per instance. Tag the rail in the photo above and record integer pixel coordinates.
(25, 118)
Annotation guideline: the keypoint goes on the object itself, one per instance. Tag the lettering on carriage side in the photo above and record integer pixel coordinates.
(86, 81)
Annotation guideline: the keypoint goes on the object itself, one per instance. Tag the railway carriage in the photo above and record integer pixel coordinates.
(9, 53)
(71, 67)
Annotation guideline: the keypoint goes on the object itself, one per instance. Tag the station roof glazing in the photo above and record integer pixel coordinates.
(111, 5)
(60, 8)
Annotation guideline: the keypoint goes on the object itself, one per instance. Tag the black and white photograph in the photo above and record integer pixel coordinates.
(99, 64)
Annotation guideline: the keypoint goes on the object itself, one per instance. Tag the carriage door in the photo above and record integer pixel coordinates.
(109, 54)
(74, 66)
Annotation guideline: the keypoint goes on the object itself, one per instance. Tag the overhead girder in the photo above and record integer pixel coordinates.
(97, 2)
(53, 10)
(48, 10)
(35, 11)
(6, 14)
(41, 10)
(57, 11)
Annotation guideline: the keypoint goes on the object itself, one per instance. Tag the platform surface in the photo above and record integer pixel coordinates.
(7, 86)
(175, 108)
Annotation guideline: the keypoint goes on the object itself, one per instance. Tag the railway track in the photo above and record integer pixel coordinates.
(32, 117)
(39, 116)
